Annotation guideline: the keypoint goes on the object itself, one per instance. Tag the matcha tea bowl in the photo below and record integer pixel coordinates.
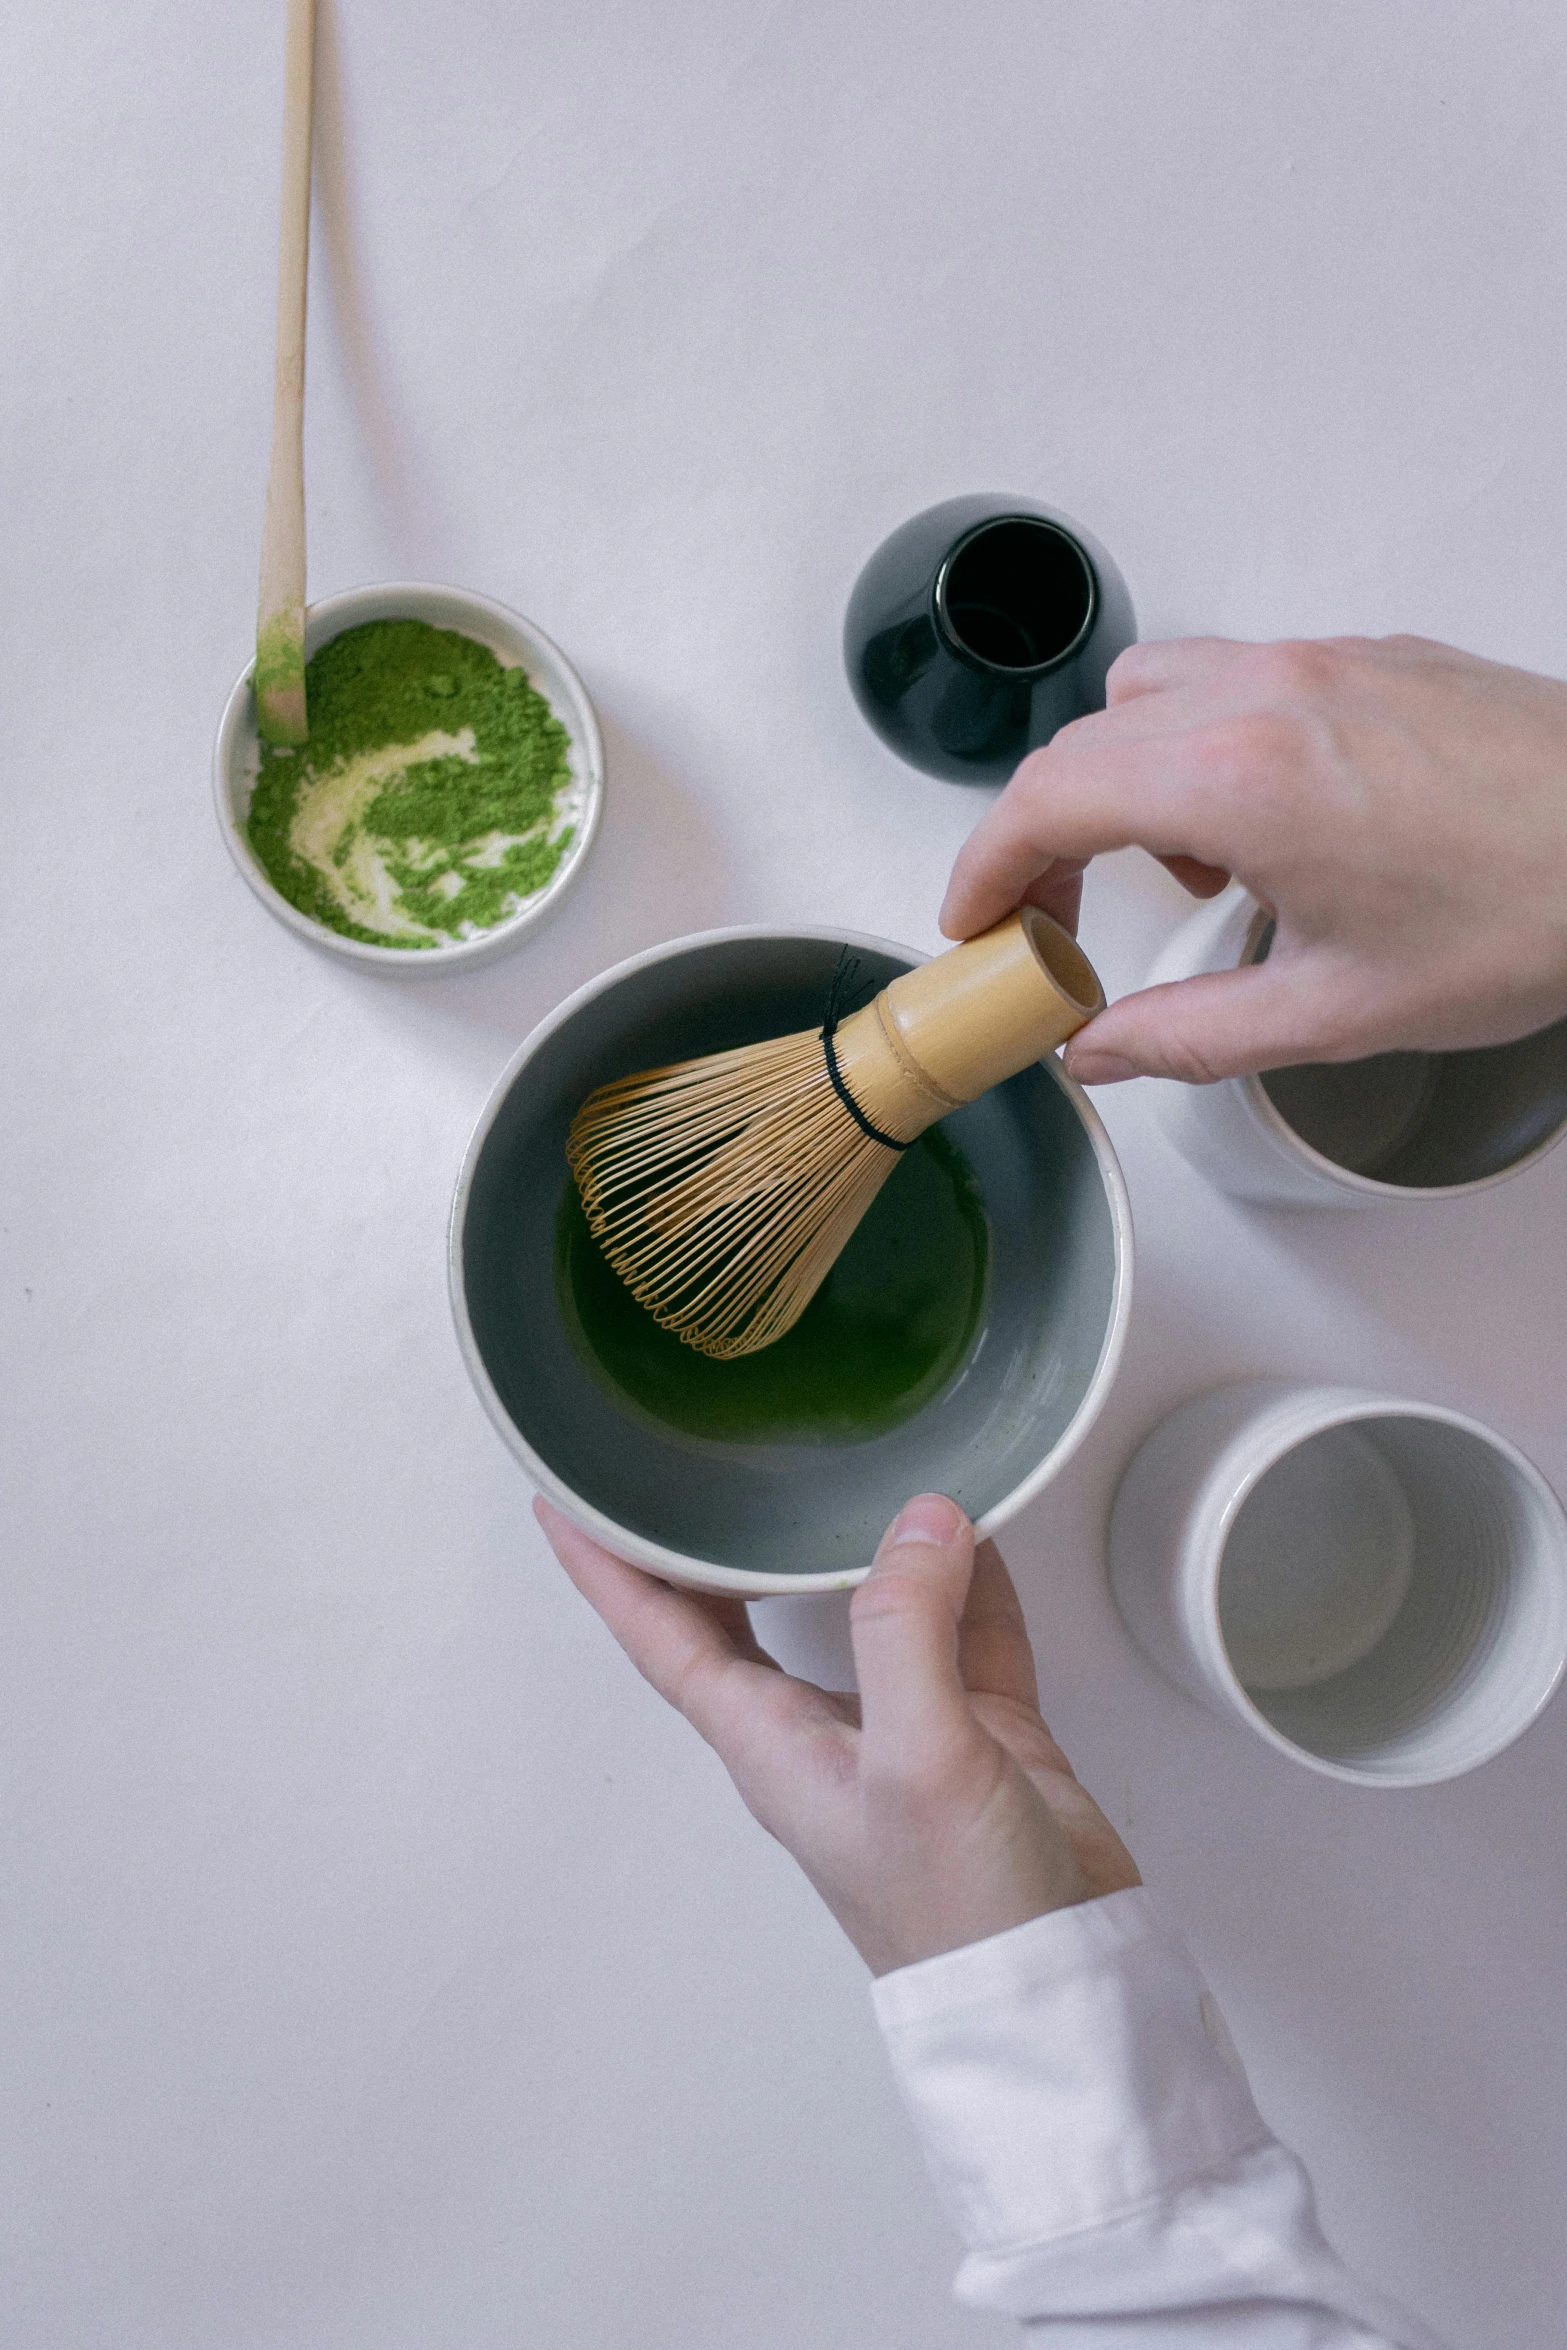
(448, 795)
(965, 1340)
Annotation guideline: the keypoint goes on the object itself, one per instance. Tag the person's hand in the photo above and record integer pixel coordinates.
(1401, 808)
(930, 1811)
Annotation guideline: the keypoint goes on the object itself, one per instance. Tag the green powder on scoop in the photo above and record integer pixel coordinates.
(426, 805)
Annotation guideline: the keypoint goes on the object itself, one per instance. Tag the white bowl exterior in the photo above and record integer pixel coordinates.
(1231, 1132)
(702, 1574)
(1179, 1499)
(514, 641)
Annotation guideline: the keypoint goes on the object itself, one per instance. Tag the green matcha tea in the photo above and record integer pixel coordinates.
(888, 1329)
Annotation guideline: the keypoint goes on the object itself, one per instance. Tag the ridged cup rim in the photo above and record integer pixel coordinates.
(1289, 1415)
(1242, 908)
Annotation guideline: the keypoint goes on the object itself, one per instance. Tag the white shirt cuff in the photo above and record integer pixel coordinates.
(1089, 2127)
(1065, 2072)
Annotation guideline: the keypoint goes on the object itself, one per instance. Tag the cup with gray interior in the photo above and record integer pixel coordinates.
(1376, 1588)
(1398, 1126)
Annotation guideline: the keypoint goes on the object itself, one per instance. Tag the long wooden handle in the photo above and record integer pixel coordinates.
(280, 618)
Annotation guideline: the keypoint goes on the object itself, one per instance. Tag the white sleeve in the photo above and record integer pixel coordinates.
(1091, 2132)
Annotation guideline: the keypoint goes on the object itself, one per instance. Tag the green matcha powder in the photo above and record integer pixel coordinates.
(426, 805)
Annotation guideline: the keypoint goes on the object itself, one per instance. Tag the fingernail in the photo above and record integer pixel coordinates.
(1100, 1068)
(929, 1517)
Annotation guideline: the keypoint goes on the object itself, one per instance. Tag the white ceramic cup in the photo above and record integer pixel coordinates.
(1401, 1126)
(1378, 1588)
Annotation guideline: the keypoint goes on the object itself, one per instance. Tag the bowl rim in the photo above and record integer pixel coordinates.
(379, 600)
(674, 1566)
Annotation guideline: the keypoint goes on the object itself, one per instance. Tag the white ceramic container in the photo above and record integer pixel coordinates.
(1400, 1127)
(764, 1518)
(1377, 1588)
(515, 642)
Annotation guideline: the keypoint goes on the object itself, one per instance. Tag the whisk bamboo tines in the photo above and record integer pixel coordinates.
(723, 1190)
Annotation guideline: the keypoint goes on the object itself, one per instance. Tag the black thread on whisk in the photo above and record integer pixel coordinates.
(845, 974)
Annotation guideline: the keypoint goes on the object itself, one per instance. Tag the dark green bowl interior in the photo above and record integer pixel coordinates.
(784, 1508)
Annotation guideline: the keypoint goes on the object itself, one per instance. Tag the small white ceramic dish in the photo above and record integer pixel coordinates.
(515, 642)
(766, 1518)
(1402, 1127)
(1377, 1588)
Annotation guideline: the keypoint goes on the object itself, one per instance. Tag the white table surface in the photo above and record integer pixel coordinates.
(384, 1967)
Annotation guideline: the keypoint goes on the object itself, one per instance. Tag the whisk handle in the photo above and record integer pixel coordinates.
(986, 1009)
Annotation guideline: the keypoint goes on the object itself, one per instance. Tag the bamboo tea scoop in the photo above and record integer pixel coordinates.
(723, 1190)
(280, 615)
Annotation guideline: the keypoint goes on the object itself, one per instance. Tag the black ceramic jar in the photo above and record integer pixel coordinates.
(978, 629)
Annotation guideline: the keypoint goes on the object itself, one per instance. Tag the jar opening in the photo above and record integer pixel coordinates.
(1016, 594)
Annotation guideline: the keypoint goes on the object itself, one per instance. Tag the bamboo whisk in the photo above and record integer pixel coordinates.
(723, 1190)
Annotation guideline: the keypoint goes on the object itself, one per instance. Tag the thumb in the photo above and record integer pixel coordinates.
(1220, 1024)
(903, 1621)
